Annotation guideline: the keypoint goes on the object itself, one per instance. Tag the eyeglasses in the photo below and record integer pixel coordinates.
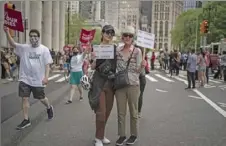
(33, 36)
(110, 32)
(127, 35)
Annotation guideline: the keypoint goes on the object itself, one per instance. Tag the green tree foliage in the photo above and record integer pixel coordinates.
(184, 32)
(75, 25)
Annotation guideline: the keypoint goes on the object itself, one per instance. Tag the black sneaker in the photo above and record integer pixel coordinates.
(25, 123)
(121, 140)
(81, 98)
(132, 139)
(50, 112)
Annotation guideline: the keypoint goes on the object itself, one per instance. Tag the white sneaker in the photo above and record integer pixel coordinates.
(98, 142)
(106, 141)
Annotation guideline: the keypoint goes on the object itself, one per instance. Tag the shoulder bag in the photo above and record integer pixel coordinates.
(121, 78)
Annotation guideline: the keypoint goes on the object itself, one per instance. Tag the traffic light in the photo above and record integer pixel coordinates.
(206, 26)
(202, 27)
(13, 7)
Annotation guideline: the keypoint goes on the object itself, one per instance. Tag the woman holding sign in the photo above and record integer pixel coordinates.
(101, 94)
(129, 66)
(76, 72)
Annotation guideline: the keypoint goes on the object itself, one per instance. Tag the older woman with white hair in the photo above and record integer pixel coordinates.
(129, 66)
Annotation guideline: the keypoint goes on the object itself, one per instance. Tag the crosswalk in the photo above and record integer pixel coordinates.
(152, 77)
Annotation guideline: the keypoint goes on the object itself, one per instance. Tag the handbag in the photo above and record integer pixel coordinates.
(121, 78)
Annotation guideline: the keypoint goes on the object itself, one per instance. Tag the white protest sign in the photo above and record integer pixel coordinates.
(104, 51)
(145, 39)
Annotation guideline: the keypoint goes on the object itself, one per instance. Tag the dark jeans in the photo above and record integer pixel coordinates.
(152, 65)
(166, 61)
(207, 75)
(191, 79)
(3, 73)
(142, 87)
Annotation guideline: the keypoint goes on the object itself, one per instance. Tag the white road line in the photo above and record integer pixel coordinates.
(209, 86)
(61, 79)
(54, 76)
(222, 104)
(183, 76)
(164, 78)
(160, 90)
(151, 78)
(211, 103)
(217, 82)
(196, 97)
(222, 86)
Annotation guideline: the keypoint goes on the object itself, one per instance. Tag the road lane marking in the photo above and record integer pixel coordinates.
(61, 79)
(160, 90)
(196, 97)
(209, 86)
(164, 78)
(54, 76)
(183, 76)
(210, 102)
(222, 104)
(151, 78)
(222, 86)
(217, 82)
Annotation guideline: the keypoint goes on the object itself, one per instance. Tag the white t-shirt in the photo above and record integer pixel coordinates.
(32, 63)
(77, 62)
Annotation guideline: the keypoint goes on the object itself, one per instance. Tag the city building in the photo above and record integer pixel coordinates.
(112, 13)
(72, 6)
(192, 4)
(46, 16)
(129, 14)
(164, 14)
(146, 15)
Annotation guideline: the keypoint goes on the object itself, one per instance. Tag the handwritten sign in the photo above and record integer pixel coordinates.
(145, 39)
(104, 51)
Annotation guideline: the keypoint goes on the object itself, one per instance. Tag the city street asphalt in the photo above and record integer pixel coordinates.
(171, 116)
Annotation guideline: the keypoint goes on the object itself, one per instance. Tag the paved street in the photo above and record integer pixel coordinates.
(171, 116)
(9, 96)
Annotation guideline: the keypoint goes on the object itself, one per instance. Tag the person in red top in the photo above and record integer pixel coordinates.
(153, 57)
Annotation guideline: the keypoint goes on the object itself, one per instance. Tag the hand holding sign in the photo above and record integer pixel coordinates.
(5, 28)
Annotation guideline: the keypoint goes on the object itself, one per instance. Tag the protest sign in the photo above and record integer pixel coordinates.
(104, 51)
(145, 39)
(13, 20)
(87, 35)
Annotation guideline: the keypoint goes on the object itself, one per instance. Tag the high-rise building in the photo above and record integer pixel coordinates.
(102, 10)
(146, 15)
(164, 14)
(128, 14)
(192, 4)
(112, 13)
(86, 9)
(73, 7)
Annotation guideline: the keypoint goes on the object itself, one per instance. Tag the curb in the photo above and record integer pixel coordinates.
(12, 137)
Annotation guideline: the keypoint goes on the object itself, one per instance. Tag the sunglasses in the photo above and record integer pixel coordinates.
(127, 35)
(110, 32)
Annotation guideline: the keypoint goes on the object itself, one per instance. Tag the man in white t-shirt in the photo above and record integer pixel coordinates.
(35, 59)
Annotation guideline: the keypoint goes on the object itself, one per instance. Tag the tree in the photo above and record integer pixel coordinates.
(184, 32)
(75, 26)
